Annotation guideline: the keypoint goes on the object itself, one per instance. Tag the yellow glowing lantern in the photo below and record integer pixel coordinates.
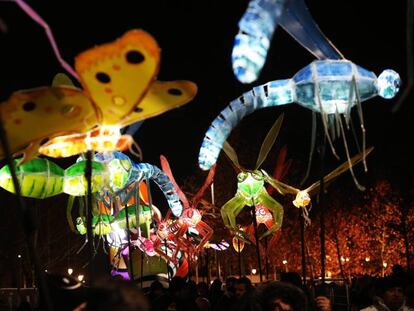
(238, 244)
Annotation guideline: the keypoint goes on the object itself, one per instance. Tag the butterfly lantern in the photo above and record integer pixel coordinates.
(119, 88)
(251, 190)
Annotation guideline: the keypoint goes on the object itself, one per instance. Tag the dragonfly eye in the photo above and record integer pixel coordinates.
(242, 177)
(258, 175)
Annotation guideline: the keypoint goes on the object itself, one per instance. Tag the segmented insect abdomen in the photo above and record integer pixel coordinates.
(39, 178)
(253, 40)
(75, 182)
(163, 182)
(275, 93)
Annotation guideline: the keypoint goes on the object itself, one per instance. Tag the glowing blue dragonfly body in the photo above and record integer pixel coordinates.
(256, 31)
(329, 87)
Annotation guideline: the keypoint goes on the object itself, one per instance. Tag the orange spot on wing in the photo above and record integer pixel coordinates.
(17, 121)
(116, 67)
(108, 90)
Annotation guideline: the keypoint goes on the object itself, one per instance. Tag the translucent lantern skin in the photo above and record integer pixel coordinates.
(236, 242)
(253, 40)
(175, 232)
(191, 217)
(100, 224)
(119, 88)
(257, 27)
(145, 218)
(40, 178)
(104, 224)
(60, 110)
(251, 192)
(123, 172)
(75, 181)
(152, 264)
(169, 231)
(324, 86)
(302, 199)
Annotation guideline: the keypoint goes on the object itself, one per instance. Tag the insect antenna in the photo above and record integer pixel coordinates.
(269, 141)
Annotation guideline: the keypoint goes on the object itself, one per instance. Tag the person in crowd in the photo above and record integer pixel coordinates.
(389, 295)
(203, 297)
(64, 293)
(158, 298)
(322, 300)
(409, 297)
(243, 287)
(282, 296)
(215, 293)
(292, 278)
(245, 296)
(183, 295)
(362, 292)
(202, 290)
(229, 296)
(120, 295)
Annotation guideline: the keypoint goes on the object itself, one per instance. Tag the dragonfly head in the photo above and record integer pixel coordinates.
(388, 83)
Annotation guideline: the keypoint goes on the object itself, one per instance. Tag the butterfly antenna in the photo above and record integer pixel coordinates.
(36, 17)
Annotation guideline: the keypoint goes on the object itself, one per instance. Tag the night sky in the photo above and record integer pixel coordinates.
(196, 39)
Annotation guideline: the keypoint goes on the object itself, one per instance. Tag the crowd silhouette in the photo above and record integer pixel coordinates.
(394, 292)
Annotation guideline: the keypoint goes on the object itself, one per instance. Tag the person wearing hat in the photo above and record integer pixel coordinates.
(389, 295)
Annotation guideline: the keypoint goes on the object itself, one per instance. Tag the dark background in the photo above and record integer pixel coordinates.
(196, 39)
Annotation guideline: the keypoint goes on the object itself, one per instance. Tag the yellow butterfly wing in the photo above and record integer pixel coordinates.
(31, 117)
(117, 75)
(161, 97)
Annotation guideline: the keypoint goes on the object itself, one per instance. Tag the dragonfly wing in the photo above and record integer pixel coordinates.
(339, 170)
(299, 23)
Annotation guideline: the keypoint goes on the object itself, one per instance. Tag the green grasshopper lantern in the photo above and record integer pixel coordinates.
(251, 189)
